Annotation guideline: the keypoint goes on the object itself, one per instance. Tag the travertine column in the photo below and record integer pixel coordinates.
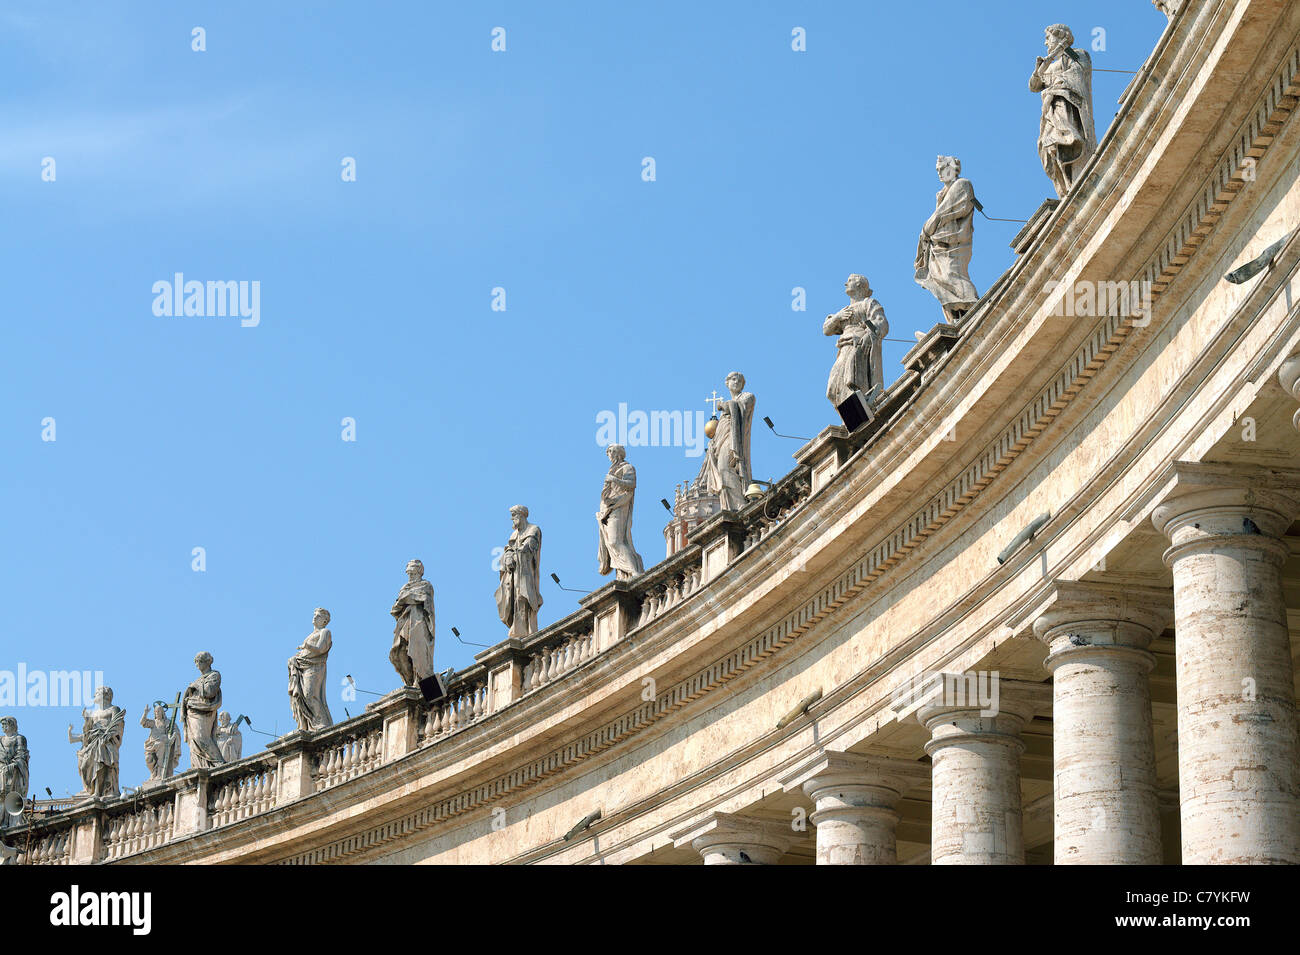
(1289, 375)
(856, 804)
(726, 839)
(975, 778)
(1103, 748)
(1237, 746)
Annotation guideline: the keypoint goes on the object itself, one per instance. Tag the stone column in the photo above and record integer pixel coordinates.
(975, 775)
(400, 711)
(1103, 748)
(727, 839)
(856, 804)
(1237, 746)
(1289, 375)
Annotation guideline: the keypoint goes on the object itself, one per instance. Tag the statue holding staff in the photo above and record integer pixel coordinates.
(728, 466)
(162, 747)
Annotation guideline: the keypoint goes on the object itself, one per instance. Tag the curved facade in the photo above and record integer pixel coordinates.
(1043, 609)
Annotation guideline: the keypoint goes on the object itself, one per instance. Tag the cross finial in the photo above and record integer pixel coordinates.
(715, 400)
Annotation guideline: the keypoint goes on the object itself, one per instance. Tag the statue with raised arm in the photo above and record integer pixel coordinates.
(859, 329)
(307, 682)
(101, 734)
(1067, 137)
(728, 466)
(519, 593)
(14, 765)
(943, 252)
(199, 708)
(229, 740)
(614, 519)
(162, 747)
(412, 651)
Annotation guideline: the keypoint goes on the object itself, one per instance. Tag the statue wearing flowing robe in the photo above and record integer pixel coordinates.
(729, 468)
(412, 651)
(162, 747)
(943, 251)
(101, 742)
(519, 593)
(199, 709)
(860, 328)
(307, 677)
(14, 764)
(614, 519)
(229, 740)
(1067, 137)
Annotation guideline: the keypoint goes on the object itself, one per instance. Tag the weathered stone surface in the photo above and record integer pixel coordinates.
(1104, 760)
(1238, 779)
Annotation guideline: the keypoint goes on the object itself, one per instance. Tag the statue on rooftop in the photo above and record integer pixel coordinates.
(14, 765)
(101, 742)
(307, 680)
(412, 651)
(229, 740)
(943, 252)
(162, 747)
(1066, 135)
(519, 594)
(860, 328)
(614, 519)
(727, 462)
(199, 708)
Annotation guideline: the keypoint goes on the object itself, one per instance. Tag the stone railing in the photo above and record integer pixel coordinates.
(50, 846)
(466, 702)
(143, 823)
(240, 791)
(345, 757)
(560, 652)
(299, 765)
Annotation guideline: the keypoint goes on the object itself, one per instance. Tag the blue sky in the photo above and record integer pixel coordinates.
(475, 170)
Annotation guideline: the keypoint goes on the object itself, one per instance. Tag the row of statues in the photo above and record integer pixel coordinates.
(1066, 142)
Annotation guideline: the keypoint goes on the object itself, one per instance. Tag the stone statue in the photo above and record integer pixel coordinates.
(229, 740)
(1066, 135)
(519, 595)
(412, 652)
(861, 328)
(101, 742)
(614, 519)
(14, 765)
(727, 460)
(944, 249)
(307, 681)
(162, 747)
(199, 710)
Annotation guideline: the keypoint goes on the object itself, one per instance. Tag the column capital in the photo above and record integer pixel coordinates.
(1237, 504)
(723, 837)
(828, 770)
(1088, 618)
